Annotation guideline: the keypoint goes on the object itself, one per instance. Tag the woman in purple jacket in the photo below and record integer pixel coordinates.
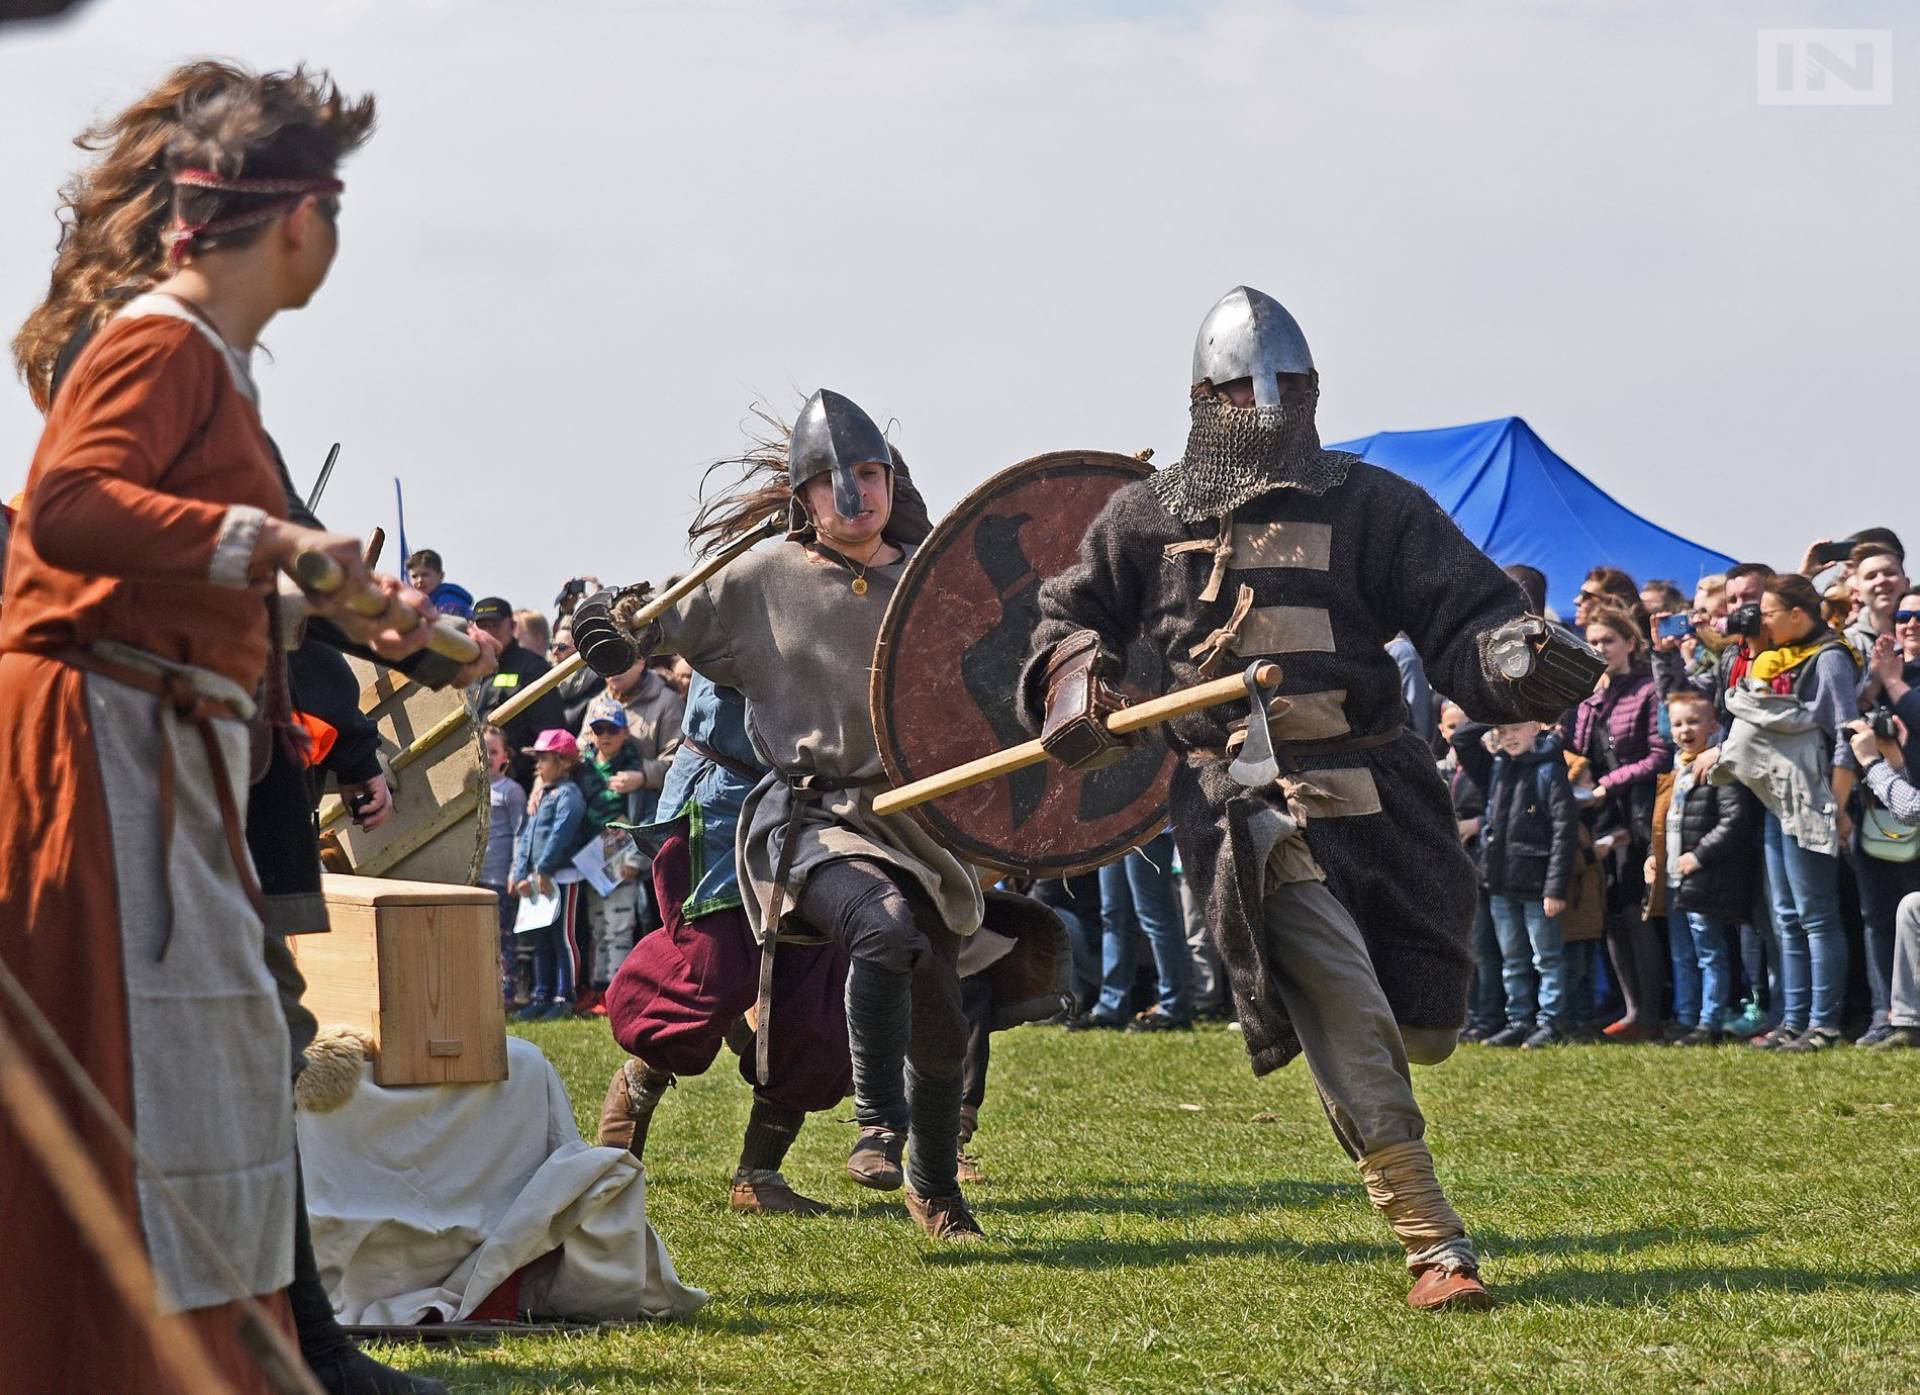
(1618, 731)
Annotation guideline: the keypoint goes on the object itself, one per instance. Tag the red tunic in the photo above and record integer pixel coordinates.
(133, 489)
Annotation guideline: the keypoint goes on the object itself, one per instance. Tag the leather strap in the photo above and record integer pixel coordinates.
(1290, 753)
(198, 711)
(721, 759)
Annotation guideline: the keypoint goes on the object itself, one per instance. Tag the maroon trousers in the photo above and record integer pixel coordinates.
(673, 999)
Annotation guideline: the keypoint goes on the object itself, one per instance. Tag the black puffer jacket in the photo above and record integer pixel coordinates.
(1532, 826)
(1720, 825)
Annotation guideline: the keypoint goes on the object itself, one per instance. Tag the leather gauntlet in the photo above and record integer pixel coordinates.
(1550, 668)
(1078, 704)
(605, 640)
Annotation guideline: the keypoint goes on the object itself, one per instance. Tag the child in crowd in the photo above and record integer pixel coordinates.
(509, 817)
(553, 836)
(1700, 871)
(1527, 841)
(615, 917)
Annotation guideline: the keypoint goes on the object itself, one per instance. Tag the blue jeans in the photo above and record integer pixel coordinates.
(1531, 944)
(1086, 958)
(1697, 949)
(1488, 1008)
(1139, 893)
(1805, 887)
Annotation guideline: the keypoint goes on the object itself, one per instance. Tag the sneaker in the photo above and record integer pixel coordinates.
(1772, 1041)
(944, 1217)
(1814, 1039)
(1094, 1022)
(1673, 1031)
(1478, 1033)
(1749, 1021)
(1154, 1020)
(1874, 1036)
(1898, 1039)
(1700, 1036)
(875, 1159)
(1627, 1029)
(558, 1011)
(967, 1167)
(1516, 1035)
(767, 1194)
(1437, 1290)
(632, 1096)
(1543, 1036)
(535, 1009)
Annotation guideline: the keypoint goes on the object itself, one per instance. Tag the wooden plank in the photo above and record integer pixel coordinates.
(442, 1020)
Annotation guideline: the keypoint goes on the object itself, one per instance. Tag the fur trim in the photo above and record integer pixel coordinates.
(335, 1063)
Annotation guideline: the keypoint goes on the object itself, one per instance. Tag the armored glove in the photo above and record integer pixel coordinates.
(604, 635)
(1078, 704)
(1550, 668)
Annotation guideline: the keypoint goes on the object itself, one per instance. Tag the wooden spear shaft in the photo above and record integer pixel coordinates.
(459, 720)
(1128, 719)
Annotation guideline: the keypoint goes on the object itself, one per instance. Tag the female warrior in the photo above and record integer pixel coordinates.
(133, 647)
(792, 628)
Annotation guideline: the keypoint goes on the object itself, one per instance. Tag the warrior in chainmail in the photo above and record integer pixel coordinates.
(1338, 891)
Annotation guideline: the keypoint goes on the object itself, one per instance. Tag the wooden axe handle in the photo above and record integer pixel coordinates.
(1138, 717)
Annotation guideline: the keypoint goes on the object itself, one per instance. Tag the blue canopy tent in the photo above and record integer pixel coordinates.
(1520, 502)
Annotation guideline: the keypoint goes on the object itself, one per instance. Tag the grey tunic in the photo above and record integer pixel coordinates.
(783, 626)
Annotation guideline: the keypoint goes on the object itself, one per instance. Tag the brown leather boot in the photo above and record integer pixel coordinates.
(875, 1159)
(966, 1167)
(632, 1096)
(1436, 1289)
(944, 1217)
(767, 1194)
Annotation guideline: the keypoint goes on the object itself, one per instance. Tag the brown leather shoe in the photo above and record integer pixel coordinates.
(875, 1159)
(966, 1167)
(632, 1096)
(944, 1217)
(1441, 1290)
(767, 1194)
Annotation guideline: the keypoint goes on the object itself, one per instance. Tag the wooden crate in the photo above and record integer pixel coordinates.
(416, 966)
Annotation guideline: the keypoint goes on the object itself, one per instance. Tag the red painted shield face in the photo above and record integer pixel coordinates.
(956, 634)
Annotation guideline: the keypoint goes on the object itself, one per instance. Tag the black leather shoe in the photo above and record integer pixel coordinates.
(353, 1372)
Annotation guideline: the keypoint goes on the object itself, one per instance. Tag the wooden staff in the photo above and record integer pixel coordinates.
(1138, 717)
(459, 720)
(320, 574)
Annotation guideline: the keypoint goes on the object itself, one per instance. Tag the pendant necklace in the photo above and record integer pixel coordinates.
(859, 580)
(859, 583)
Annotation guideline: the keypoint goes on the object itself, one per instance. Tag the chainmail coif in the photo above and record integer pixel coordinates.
(1239, 453)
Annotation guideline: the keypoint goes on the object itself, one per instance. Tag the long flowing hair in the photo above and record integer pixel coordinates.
(112, 216)
(115, 215)
(757, 490)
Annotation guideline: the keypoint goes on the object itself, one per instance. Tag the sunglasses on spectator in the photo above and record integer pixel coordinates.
(1586, 595)
(1905, 617)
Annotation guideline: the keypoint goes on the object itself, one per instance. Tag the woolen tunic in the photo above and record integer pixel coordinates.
(783, 626)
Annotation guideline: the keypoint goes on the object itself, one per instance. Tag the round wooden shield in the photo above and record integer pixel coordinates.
(955, 636)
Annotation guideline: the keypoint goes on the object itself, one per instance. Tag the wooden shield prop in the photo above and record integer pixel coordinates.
(955, 636)
(438, 767)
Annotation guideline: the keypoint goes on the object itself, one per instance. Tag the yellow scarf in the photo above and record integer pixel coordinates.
(1774, 662)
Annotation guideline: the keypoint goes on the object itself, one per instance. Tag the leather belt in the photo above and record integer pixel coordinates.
(721, 759)
(197, 710)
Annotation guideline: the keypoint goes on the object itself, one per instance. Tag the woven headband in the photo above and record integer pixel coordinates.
(283, 193)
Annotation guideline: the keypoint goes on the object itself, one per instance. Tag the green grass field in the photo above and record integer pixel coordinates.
(1651, 1220)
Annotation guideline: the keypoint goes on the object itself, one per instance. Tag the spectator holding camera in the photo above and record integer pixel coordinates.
(1885, 865)
(1787, 742)
(1617, 731)
(1885, 771)
(1739, 623)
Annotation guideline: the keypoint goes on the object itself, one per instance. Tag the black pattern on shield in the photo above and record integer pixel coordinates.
(955, 636)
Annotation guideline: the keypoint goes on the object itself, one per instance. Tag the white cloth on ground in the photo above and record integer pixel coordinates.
(424, 1199)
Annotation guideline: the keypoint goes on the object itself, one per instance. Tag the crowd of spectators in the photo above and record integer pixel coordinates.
(1715, 846)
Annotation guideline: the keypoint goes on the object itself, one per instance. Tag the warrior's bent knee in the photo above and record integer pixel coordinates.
(1429, 1046)
(880, 930)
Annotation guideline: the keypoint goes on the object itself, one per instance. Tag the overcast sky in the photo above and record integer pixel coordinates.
(588, 234)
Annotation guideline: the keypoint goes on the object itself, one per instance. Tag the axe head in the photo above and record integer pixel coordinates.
(1255, 766)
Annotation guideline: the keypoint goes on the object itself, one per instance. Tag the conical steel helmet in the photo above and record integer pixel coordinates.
(1249, 334)
(832, 433)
